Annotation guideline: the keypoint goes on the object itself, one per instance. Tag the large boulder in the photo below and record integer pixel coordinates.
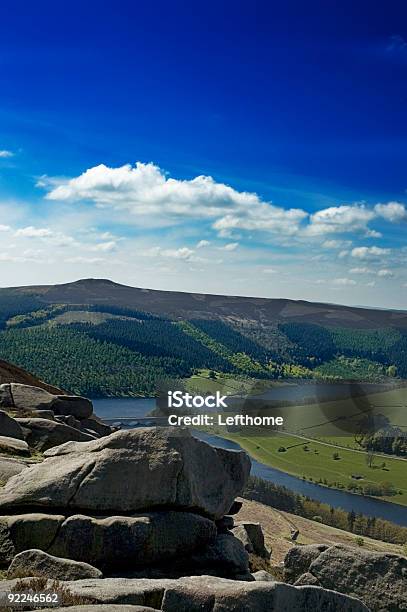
(37, 563)
(9, 427)
(23, 531)
(108, 542)
(10, 467)
(43, 434)
(132, 541)
(299, 558)
(226, 556)
(130, 471)
(204, 594)
(252, 537)
(378, 579)
(13, 446)
(93, 423)
(26, 397)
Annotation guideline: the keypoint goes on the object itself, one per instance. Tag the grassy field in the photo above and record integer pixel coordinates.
(277, 525)
(318, 463)
(226, 384)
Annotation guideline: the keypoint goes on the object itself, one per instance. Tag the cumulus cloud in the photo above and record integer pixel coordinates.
(5, 228)
(232, 246)
(202, 243)
(340, 219)
(362, 270)
(366, 252)
(336, 244)
(33, 232)
(385, 273)
(145, 190)
(392, 211)
(103, 246)
(4, 154)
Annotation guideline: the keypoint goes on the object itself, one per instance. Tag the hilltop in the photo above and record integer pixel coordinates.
(98, 338)
(181, 305)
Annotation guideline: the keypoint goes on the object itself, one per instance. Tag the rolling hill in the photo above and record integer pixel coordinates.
(180, 305)
(100, 338)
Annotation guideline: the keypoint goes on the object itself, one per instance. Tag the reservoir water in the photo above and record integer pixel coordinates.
(113, 410)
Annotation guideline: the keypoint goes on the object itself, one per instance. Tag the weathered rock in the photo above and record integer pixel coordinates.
(299, 558)
(225, 523)
(6, 400)
(95, 424)
(10, 467)
(68, 420)
(132, 541)
(226, 556)
(44, 434)
(378, 579)
(26, 397)
(20, 532)
(235, 507)
(79, 407)
(207, 594)
(263, 576)
(9, 427)
(252, 538)
(307, 578)
(132, 470)
(13, 446)
(116, 541)
(43, 414)
(37, 563)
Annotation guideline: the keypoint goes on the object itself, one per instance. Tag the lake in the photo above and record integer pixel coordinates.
(128, 410)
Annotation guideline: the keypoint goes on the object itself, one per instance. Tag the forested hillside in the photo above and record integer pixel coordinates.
(111, 346)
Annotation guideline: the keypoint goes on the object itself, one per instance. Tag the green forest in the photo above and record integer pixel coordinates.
(128, 352)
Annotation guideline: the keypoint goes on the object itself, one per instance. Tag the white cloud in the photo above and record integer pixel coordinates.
(339, 219)
(392, 211)
(361, 271)
(202, 243)
(146, 191)
(336, 244)
(34, 232)
(344, 281)
(4, 154)
(103, 246)
(232, 246)
(84, 260)
(343, 254)
(5, 228)
(366, 252)
(370, 233)
(385, 273)
(371, 284)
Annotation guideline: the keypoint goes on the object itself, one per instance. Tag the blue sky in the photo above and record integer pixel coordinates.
(113, 116)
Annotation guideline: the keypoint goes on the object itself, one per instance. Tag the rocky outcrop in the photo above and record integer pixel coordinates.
(10, 467)
(299, 558)
(378, 579)
(130, 471)
(26, 397)
(206, 594)
(13, 446)
(252, 538)
(39, 564)
(42, 434)
(9, 427)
